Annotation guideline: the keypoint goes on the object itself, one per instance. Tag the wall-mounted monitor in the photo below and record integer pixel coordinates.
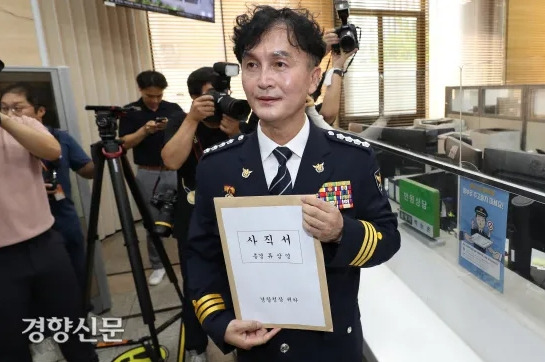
(194, 9)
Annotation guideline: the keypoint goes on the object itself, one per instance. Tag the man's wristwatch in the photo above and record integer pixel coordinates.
(338, 71)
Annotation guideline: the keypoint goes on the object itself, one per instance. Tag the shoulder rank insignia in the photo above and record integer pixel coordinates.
(347, 138)
(225, 145)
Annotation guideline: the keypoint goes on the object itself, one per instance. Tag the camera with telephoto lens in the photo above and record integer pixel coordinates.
(165, 203)
(348, 36)
(223, 103)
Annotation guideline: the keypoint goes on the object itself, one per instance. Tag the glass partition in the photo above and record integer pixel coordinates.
(537, 104)
(468, 103)
(484, 217)
(503, 102)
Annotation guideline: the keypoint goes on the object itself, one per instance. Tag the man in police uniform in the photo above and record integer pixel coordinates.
(479, 224)
(280, 52)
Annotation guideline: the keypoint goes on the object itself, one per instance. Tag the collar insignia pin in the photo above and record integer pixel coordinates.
(246, 173)
(319, 167)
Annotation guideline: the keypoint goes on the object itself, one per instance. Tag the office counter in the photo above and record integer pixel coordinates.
(422, 306)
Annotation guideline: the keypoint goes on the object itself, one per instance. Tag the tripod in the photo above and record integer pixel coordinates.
(109, 149)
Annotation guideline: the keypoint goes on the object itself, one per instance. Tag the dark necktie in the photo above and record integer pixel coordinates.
(281, 184)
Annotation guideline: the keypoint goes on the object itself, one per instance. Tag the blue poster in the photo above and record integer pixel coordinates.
(483, 227)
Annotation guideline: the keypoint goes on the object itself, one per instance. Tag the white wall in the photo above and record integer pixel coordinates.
(444, 52)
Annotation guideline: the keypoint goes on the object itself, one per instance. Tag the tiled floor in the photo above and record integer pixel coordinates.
(124, 300)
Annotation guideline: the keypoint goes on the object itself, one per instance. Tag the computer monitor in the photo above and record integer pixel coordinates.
(411, 139)
(471, 157)
(417, 140)
(414, 139)
(525, 216)
(523, 168)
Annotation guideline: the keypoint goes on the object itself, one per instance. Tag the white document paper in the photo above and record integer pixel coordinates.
(275, 267)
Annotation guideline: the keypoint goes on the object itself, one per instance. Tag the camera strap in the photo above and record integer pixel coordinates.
(158, 179)
(197, 148)
(350, 62)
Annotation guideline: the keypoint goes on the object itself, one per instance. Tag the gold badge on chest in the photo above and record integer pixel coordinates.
(246, 173)
(229, 190)
(319, 167)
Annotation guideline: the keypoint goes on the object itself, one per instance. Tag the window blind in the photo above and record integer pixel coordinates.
(180, 45)
(387, 77)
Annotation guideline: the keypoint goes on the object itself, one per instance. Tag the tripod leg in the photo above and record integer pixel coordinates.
(148, 224)
(98, 157)
(135, 258)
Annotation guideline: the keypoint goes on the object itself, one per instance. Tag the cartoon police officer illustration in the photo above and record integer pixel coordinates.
(479, 225)
(481, 230)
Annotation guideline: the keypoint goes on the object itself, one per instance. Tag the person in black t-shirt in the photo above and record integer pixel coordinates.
(186, 136)
(143, 131)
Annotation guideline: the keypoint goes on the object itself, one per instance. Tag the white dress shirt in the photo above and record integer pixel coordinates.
(296, 145)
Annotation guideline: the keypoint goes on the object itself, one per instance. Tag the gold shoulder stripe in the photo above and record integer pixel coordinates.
(373, 245)
(363, 245)
(198, 303)
(199, 311)
(210, 311)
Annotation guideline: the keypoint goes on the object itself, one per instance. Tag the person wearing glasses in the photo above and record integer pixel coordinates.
(27, 101)
(36, 274)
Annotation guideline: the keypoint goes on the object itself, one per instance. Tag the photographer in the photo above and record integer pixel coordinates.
(187, 136)
(36, 274)
(329, 108)
(143, 131)
(72, 157)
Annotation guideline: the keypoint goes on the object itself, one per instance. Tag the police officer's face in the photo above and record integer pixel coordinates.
(481, 222)
(277, 77)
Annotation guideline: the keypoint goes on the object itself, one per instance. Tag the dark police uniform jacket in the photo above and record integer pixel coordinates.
(369, 238)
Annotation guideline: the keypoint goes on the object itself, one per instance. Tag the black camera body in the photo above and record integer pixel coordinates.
(347, 33)
(223, 103)
(165, 203)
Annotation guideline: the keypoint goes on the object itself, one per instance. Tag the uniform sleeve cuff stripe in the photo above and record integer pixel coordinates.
(198, 303)
(210, 311)
(209, 303)
(365, 239)
(373, 247)
(372, 239)
(369, 244)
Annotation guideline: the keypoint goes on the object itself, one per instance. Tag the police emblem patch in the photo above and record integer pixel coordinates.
(378, 180)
